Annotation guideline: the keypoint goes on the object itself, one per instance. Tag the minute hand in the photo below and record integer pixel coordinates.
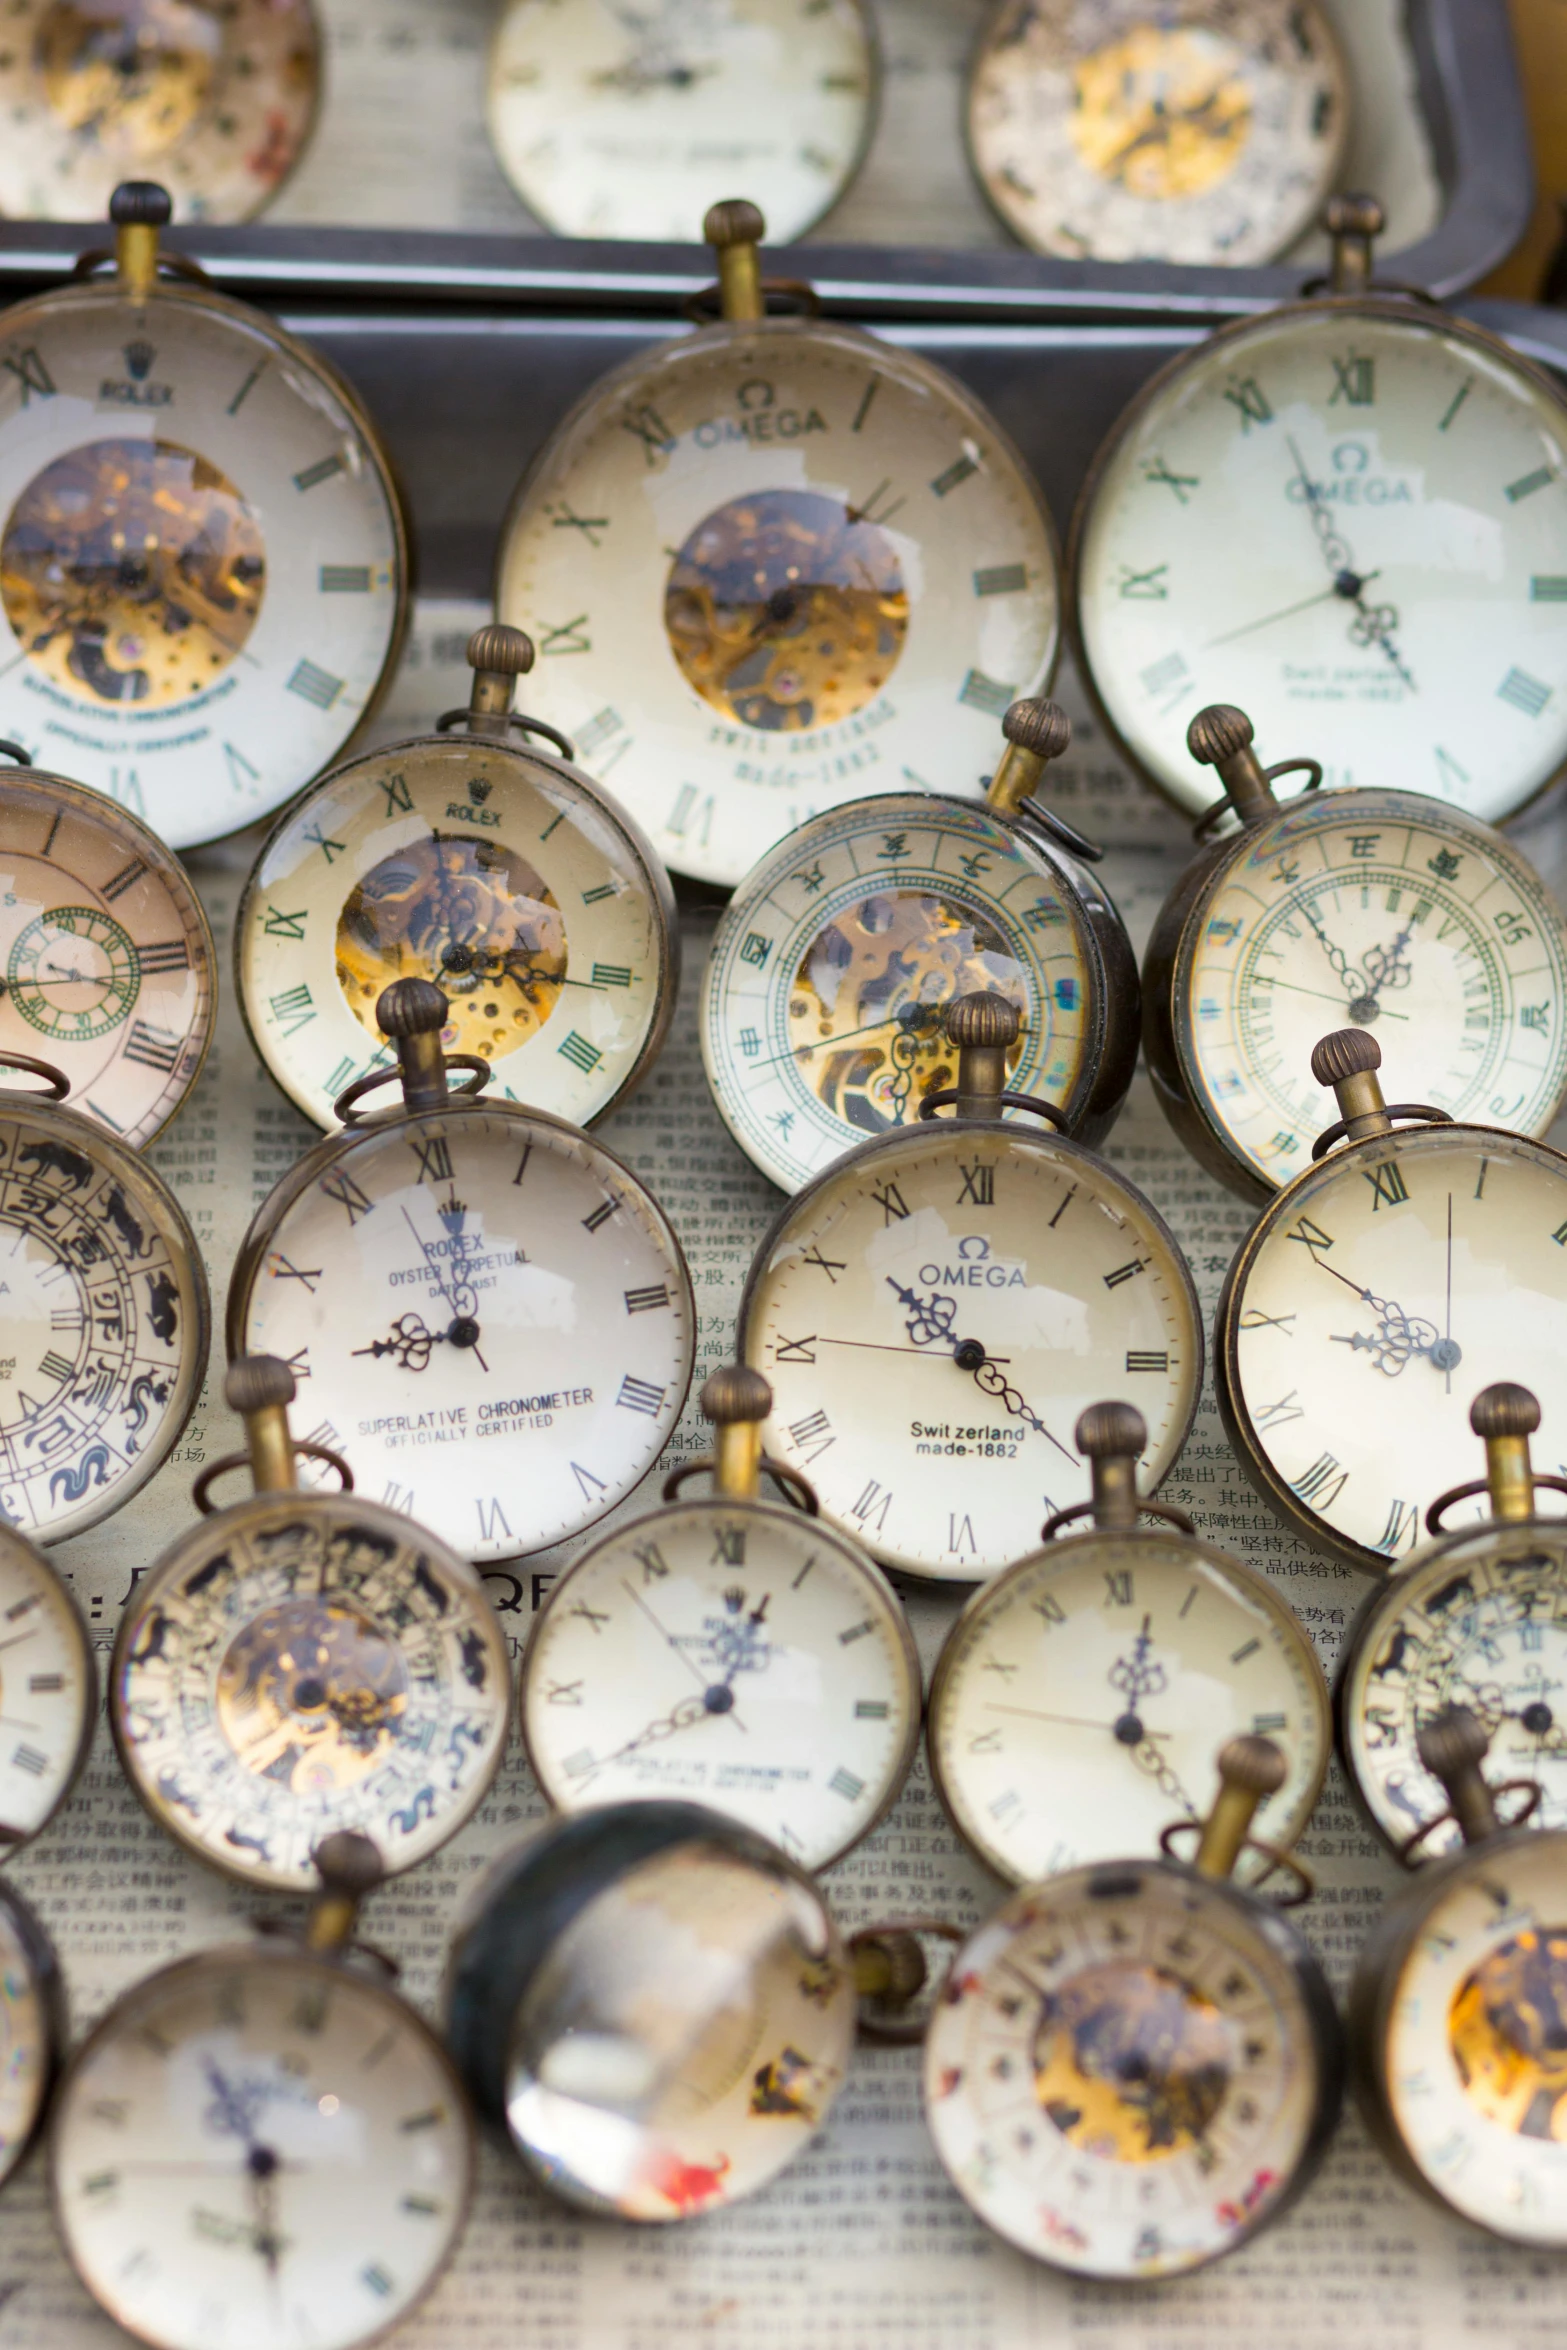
(930, 1322)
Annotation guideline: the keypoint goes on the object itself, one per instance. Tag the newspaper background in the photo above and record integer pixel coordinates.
(863, 2245)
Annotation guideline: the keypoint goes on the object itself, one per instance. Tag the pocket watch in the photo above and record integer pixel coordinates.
(48, 1695)
(832, 968)
(105, 952)
(1030, 1273)
(1127, 131)
(1478, 1617)
(304, 1663)
(1345, 511)
(474, 859)
(506, 1251)
(618, 122)
(1456, 2013)
(104, 1318)
(203, 572)
(653, 2004)
(728, 1652)
(32, 2028)
(1077, 1698)
(1137, 2064)
(220, 100)
(1385, 903)
(263, 2143)
(1374, 1296)
(773, 565)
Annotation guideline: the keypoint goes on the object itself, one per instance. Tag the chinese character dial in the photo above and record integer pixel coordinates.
(1082, 1696)
(257, 2146)
(31, 2028)
(1347, 516)
(1393, 911)
(48, 1693)
(774, 567)
(300, 1666)
(1117, 132)
(501, 874)
(822, 1011)
(730, 1654)
(1133, 2071)
(961, 1293)
(202, 566)
(103, 1310)
(1369, 1306)
(604, 118)
(495, 1319)
(105, 954)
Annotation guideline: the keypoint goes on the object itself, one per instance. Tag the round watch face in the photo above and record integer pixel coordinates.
(1082, 1697)
(202, 681)
(1370, 1305)
(619, 122)
(495, 1318)
(48, 1695)
(301, 1666)
(1480, 1621)
(105, 1322)
(503, 876)
(257, 2146)
(214, 102)
(1472, 2063)
(1410, 921)
(1344, 518)
(830, 974)
(962, 1293)
(28, 2015)
(1119, 131)
(731, 1655)
(106, 966)
(1125, 2076)
(770, 568)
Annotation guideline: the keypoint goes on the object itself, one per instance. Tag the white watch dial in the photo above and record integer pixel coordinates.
(732, 1655)
(1371, 1307)
(493, 871)
(1436, 933)
(202, 677)
(1348, 521)
(1082, 1697)
(1472, 2058)
(961, 1296)
(770, 568)
(27, 2055)
(629, 122)
(48, 1693)
(830, 973)
(494, 1318)
(258, 2147)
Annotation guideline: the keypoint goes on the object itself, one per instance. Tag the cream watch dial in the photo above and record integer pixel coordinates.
(822, 1009)
(1483, 1624)
(878, 1301)
(1473, 2057)
(494, 1317)
(493, 872)
(612, 121)
(1370, 1307)
(103, 1308)
(48, 1695)
(1433, 932)
(298, 1668)
(106, 965)
(728, 1655)
(1123, 2079)
(1081, 1699)
(1348, 520)
(26, 2037)
(1115, 131)
(258, 2147)
(201, 561)
(771, 568)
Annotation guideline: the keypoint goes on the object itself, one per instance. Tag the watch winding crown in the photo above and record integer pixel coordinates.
(1223, 738)
(1353, 224)
(737, 1399)
(412, 1012)
(735, 229)
(261, 1388)
(1348, 1061)
(1504, 1416)
(1036, 732)
(1452, 1746)
(498, 656)
(138, 211)
(1112, 1437)
(1251, 1768)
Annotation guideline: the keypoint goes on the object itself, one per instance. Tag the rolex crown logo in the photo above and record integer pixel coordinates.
(453, 1214)
(139, 357)
(479, 792)
(734, 1600)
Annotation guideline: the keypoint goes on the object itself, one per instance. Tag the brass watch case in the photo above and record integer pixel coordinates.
(49, 1984)
(87, 1667)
